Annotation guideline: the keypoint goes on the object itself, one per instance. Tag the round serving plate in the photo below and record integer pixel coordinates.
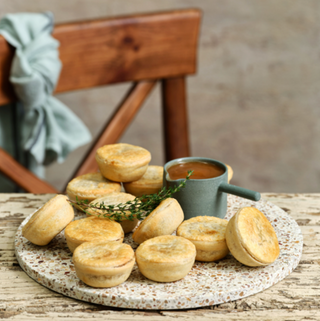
(206, 284)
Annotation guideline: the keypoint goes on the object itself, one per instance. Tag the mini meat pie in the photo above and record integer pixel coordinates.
(165, 258)
(150, 183)
(91, 186)
(122, 162)
(251, 238)
(92, 229)
(163, 220)
(103, 264)
(115, 199)
(49, 220)
(207, 233)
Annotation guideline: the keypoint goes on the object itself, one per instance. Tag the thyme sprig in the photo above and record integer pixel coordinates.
(138, 208)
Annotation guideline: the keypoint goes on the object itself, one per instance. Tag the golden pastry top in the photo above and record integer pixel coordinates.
(103, 254)
(166, 249)
(110, 199)
(257, 235)
(152, 177)
(92, 185)
(203, 228)
(92, 228)
(123, 155)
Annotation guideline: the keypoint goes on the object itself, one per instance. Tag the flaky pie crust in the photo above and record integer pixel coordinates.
(163, 220)
(103, 264)
(91, 186)
(49, 220)
(92, 229)
(251, 238)
(207, 233)
(165, 258)
(150, 183)
(122, 162)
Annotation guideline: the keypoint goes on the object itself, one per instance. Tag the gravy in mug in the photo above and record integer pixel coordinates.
(201, 170)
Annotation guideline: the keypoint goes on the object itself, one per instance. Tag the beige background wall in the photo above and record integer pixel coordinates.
(254, 103)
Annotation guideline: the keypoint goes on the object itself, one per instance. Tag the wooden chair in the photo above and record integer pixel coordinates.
(139, 48)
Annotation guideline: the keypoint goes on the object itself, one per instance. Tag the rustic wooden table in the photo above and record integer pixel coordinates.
(297, 297)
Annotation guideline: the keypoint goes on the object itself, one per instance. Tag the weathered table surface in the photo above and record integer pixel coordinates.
(297, 297)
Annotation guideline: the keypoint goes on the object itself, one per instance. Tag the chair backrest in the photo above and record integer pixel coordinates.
(139, 48)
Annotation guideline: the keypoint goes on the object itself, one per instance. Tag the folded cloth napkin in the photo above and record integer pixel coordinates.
(49, 131)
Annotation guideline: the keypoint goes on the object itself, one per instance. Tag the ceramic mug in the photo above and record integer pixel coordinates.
(205, 197)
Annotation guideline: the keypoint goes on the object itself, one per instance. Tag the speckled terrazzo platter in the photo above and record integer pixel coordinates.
(206, 284)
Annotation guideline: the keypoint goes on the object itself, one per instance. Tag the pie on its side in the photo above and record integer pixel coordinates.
(163, 220)
(49, 220)
(251, 238)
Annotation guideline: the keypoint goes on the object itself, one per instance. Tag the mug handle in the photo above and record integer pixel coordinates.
(239, 191)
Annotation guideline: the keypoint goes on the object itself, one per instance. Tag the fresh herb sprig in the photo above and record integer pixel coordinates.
(138, 208)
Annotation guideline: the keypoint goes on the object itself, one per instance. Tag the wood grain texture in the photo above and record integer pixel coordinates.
(118, 123)
(175, 118)
(24, 178)
(294, 298)
(112, 50)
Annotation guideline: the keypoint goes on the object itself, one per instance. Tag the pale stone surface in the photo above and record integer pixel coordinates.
(206, 284)
(254, 103)
(294, 298)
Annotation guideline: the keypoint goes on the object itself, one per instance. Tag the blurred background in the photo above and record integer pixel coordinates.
(253, 104)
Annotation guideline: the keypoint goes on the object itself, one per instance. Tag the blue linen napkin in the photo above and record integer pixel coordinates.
(49, 131)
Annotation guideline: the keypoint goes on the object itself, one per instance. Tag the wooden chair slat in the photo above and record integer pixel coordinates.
(113, 50)
(175, 118)
(23, 177)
